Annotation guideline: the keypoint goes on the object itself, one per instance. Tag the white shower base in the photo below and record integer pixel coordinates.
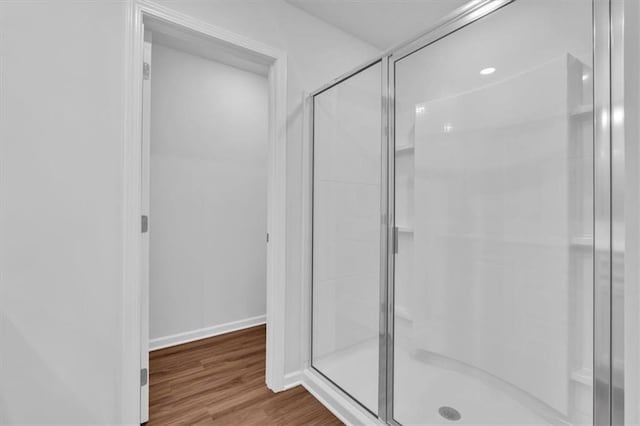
(421, 389)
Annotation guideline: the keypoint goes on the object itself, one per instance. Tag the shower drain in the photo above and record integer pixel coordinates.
(449, 413)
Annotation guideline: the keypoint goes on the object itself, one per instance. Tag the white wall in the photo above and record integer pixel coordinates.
(62, 126)
(208, 218)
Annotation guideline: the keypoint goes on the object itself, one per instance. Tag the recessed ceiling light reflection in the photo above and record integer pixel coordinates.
(487, 71)
(585, 77)
(419, 109)
(618, 115)
(448, 128)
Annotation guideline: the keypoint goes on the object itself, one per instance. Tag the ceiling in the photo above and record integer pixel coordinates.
(381, 23)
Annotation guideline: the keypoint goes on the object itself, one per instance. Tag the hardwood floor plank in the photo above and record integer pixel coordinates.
(220, 381)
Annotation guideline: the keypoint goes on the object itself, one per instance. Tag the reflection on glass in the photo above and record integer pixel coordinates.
(346, 234)
(494, 205)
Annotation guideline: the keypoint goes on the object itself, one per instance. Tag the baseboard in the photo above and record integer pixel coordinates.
(343, 407)
(203, 333)
(291, 380)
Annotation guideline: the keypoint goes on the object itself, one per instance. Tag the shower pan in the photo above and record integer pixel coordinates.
(462, 229)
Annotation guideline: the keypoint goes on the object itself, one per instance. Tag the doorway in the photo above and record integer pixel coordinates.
(205, 134)
(188, 42)
(204, 187)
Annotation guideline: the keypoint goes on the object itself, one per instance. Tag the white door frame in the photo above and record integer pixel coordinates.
(132, 289)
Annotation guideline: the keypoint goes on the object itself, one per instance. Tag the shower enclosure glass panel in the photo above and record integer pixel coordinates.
(346, 234)
(493, 276)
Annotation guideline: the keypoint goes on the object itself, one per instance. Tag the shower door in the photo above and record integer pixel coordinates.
(347, 205)
(462, 232)
(494, 220)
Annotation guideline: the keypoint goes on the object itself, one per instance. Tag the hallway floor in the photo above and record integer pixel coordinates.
(220, 380)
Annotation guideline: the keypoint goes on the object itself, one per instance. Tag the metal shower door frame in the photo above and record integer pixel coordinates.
(608, 208)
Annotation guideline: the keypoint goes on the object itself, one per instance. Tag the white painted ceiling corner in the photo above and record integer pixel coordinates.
(380, 23)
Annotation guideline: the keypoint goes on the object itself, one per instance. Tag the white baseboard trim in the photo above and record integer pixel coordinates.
(291, 380)
(203, 333)
(345, 409)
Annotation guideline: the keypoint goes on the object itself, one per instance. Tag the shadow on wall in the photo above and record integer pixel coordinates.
(18, 386)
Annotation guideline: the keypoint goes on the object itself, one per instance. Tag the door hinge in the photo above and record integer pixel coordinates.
(146, 71)
(144, 377)
(267, 237)
(144, 224)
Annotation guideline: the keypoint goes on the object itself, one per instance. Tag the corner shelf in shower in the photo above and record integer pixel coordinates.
(402, 312)
(583, 375)
(405, 230)
(408, 149)
(582, 241)
(582, 111)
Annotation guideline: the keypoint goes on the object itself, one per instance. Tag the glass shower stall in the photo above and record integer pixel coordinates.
(461, 232)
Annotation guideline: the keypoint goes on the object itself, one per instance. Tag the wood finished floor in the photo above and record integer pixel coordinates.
(220, 381)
